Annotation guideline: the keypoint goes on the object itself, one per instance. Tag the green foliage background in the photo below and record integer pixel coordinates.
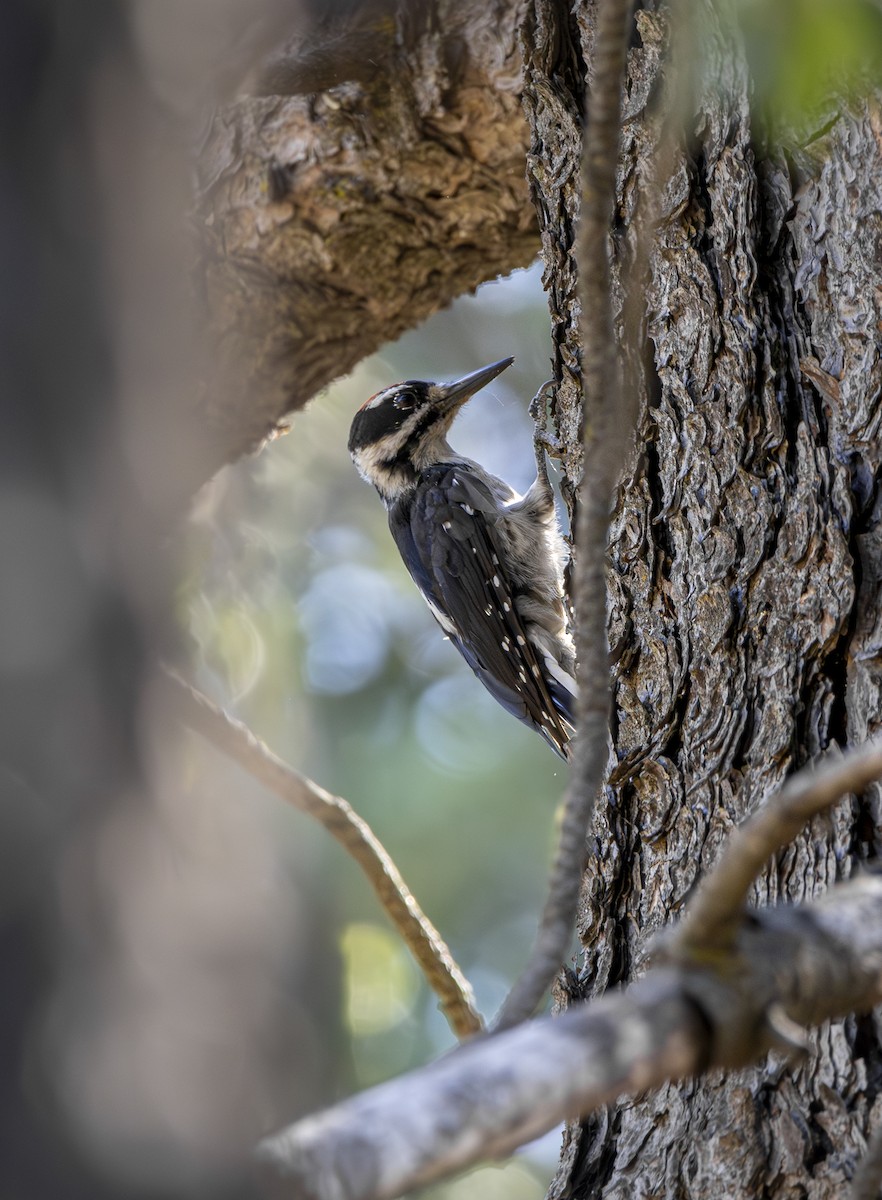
(806, 56)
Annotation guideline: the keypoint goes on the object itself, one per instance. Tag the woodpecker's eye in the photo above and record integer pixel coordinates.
(405, 400)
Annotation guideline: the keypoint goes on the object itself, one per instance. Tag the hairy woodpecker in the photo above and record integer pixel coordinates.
(488, 561)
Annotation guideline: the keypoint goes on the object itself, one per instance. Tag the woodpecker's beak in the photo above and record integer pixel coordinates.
(451, 395)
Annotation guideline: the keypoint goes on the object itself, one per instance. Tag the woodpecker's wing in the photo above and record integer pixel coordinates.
(447, 535)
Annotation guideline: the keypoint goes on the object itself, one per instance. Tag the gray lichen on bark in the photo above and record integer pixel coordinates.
(744, 569)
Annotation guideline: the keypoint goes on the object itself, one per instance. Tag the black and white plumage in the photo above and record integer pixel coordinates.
(488, 561)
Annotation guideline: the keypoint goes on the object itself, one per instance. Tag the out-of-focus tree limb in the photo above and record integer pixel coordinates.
(783, 968)
(330, 222)
(814, 961)
(606, 431)
(353, 833)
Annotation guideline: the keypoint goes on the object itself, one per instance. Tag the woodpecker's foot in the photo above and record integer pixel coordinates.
(544, 442)
(540, 407)
(540, 404)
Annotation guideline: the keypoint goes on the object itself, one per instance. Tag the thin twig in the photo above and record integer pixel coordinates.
(867, 1181)
(715, 915)
(350, 830)
(606, 438)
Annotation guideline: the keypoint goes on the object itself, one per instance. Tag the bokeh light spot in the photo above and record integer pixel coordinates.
(348, 615)
(380, 980)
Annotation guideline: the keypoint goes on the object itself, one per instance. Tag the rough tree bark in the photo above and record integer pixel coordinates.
(745, 568)
(334, 220)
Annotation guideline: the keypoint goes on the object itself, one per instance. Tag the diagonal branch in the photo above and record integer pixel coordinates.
(492, 1095)
(353, 833)
(715, 915)
(606, 432)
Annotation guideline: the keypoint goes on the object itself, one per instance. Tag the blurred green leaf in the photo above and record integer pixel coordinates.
(806, 54)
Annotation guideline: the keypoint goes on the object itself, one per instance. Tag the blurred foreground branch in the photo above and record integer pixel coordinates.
(817, 961)
(867, 1182)
(234, 738)
(606, 431)
(785, 967)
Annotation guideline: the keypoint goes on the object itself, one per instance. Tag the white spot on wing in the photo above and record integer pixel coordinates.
(441, 617)
(556, 671)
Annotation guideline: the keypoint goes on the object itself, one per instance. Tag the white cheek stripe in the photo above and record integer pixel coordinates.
(367, 461)
(376, 401)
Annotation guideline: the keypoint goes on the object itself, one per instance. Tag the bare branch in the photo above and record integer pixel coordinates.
(715, 915)
(488, 1098)
(350, 830)
(812, 962)
(606, 438)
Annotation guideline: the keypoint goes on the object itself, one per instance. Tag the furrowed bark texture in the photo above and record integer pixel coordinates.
(335, 220)
(745, 565)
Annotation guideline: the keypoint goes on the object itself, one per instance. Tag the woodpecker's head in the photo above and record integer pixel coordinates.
(403, 429)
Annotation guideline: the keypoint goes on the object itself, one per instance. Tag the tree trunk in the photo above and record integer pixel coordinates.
(745, 571)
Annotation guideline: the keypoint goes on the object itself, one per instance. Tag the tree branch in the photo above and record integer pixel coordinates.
(815, 961)
(715, 914)
(233, 738)
(606, 432)
(331, 222)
